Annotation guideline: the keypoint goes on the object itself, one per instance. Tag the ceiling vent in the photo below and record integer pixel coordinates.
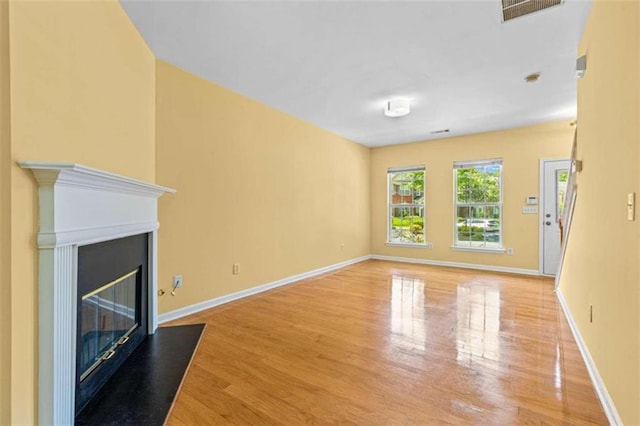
(512, 9)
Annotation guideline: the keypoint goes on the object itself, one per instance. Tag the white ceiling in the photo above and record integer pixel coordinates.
(335, 63)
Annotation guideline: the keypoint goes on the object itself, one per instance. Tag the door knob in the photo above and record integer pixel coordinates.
(547, 223)
(548, 215)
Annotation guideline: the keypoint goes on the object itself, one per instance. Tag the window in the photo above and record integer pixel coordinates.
(562, 178)
(406, 205)
(478, 204)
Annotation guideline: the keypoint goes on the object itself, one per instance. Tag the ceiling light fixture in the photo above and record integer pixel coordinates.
(397, 107)
(532, 78)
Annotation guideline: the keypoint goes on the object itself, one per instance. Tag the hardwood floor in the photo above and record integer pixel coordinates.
(380, 343)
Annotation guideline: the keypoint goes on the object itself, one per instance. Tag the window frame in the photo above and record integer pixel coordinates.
(391, 171)
(469, 164)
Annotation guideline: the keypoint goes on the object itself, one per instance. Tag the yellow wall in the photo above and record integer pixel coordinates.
(5, 222)
(601, 262)
(83, 90)
(255, 186)
(521, 150)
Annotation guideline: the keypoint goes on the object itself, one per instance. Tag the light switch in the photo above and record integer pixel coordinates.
(631, 206)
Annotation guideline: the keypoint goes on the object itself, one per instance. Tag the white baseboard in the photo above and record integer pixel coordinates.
(601, 389)
(457, 264)
(192, 309)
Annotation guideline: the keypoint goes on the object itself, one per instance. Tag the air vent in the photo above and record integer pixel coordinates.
(512, 9)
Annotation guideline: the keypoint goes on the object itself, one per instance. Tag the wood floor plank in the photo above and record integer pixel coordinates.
(390, 343)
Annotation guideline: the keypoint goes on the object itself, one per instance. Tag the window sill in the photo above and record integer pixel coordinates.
(409, 245)
(479, 249)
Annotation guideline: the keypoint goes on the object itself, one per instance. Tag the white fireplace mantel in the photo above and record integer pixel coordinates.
(78, 206)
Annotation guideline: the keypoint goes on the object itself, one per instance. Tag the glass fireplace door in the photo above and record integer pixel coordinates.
(108, 317)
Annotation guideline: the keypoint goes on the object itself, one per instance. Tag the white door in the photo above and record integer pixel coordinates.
(555, 176)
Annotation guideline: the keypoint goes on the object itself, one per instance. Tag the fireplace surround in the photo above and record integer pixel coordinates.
(80, 206)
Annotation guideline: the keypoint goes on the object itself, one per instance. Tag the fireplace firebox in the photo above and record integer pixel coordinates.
(112, 309)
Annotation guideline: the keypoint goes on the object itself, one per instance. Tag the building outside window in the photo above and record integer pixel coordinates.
(406, 205)
(478, 204)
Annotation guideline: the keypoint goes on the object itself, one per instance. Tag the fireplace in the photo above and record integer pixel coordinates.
(93, 304)
(112, 310)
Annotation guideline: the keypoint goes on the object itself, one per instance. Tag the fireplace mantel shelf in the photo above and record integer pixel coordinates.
(78, 206)
(49, 173)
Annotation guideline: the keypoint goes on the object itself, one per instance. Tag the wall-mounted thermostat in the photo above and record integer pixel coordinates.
(581, 66)
(532, 200)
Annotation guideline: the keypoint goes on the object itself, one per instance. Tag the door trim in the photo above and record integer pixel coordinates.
(542, 162)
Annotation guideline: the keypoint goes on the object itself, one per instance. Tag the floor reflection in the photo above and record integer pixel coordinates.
(478, 324)
(408, 312)
(482, 343)
(558, 373)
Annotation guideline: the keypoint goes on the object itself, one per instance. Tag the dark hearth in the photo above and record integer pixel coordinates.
(143, 389)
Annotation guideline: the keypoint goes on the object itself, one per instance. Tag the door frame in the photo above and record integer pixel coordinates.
(541, 200)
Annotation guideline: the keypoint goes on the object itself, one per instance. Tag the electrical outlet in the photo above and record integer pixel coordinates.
(510, 251)
(177, 281)
(430, 246)
(236, 268)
